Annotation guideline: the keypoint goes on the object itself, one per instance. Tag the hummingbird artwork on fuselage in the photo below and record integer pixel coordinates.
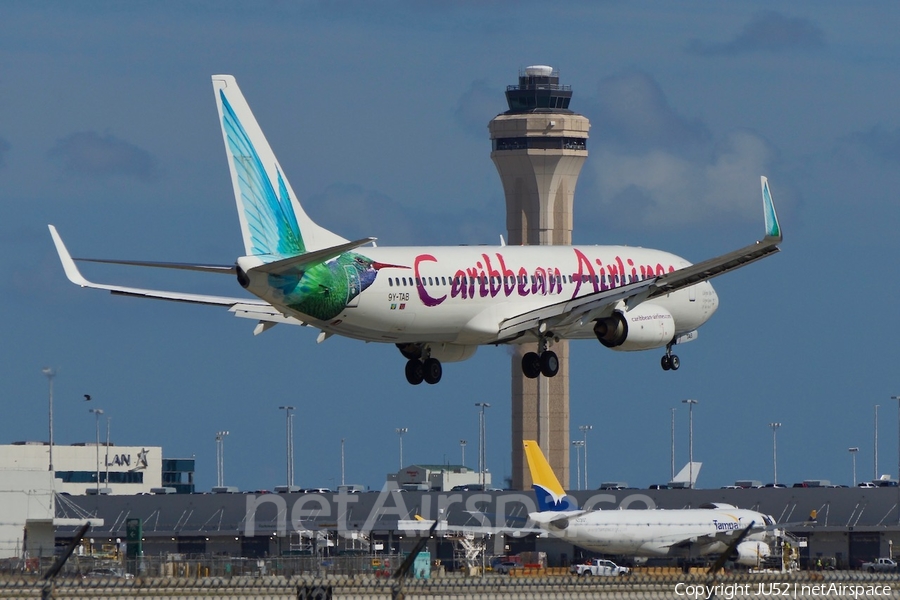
(437, 304)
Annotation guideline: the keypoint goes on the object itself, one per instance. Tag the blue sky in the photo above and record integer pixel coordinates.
(378, 113)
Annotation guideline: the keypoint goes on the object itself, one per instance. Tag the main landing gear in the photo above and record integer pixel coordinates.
(428, 370)
(669, 360)
(543, 362)
(420, 366)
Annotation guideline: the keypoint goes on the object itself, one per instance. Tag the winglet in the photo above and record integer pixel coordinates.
(68, 264)
(549, 492)
(773, 229)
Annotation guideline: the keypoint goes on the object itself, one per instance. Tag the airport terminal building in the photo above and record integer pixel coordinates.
(852, 525)
(90, 469)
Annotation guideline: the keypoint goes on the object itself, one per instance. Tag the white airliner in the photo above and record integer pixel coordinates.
(439, 303)
(647, 533)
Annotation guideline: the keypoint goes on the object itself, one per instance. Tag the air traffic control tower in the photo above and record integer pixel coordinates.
(538, 147)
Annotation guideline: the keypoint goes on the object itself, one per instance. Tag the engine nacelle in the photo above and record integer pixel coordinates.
(644, 327)
(751, 554)
(442, 352)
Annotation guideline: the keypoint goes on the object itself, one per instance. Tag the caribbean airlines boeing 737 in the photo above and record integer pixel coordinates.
(652, 532)
(438, 304)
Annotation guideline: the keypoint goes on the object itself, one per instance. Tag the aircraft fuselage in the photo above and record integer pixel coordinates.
(461, 295)
(657, 532)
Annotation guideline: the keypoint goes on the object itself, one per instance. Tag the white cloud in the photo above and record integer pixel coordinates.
(94, 155)
(659, 188)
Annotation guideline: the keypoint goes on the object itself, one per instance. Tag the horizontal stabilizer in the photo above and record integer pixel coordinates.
(302, 261)
(227, 269)
(77, 278)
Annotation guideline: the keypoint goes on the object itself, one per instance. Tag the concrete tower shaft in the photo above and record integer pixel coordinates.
(539, 147)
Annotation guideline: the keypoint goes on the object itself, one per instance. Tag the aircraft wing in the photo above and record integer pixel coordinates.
(588, 307)
(260, 310)
(421, 526)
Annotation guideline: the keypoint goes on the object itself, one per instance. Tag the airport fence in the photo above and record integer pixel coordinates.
(644, 585)
(181, 566)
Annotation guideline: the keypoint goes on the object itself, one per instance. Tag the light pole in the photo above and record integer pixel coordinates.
(584, 429)
(289, 424)
(342, 461)
(50, 373)
(400, 431)
(462, 447)
(482, 455)
(875, 476)
(853, 452)
(97, 412)
(673, 445)
(220, 458)
(579, 444)
(106, 454)
(898, 437)
(775, 427)
(691, 404)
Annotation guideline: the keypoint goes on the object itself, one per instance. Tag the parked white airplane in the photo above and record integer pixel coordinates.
(439, 303)
(650, 532)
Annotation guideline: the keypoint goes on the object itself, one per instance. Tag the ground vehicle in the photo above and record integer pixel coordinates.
(506, 566)
(111, 572)
(600, 567)
(748, 483)
(883, 565)
(613, 485)
(351, 489)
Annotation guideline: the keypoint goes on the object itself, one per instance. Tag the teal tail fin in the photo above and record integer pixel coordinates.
(273, 223)
(773, 229)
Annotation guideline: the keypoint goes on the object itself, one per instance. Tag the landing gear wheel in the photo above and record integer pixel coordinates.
(666, 362)
(531, 365)
(415, 371)
(549, 363)
(432, 370)
(674, 362)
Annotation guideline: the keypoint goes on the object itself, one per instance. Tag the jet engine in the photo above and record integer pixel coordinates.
(751, 554)
(644, 327)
